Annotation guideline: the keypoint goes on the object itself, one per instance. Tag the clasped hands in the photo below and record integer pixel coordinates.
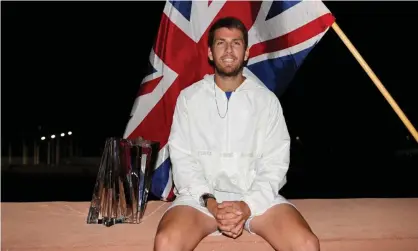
(230, 216)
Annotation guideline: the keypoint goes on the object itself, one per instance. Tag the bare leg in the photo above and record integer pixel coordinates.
(182, 228)
(285, 229)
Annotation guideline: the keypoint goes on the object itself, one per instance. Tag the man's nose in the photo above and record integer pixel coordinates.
(229, 47)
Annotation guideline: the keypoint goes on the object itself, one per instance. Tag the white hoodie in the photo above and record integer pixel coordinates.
(245, 153)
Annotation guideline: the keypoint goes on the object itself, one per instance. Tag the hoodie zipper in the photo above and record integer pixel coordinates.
(228, 141)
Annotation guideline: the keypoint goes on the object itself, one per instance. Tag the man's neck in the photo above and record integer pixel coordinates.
(228, 84)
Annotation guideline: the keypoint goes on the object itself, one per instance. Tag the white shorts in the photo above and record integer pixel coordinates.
(184, 200)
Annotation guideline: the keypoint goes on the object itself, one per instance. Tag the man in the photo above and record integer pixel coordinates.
(229, 147)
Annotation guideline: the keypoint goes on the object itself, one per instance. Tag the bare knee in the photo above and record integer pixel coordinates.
(307, 243)
(168, 240)
(182, 228)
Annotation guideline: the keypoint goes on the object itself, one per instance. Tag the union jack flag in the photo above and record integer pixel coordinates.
(281, 34)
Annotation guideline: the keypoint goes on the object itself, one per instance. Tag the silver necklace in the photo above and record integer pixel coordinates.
(216, 101)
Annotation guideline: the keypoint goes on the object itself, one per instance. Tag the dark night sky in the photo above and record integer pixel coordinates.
(78, 65)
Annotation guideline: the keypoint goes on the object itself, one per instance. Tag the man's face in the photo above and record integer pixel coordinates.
(228, 52)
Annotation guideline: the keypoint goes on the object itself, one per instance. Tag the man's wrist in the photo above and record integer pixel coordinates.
(204, 198)
(211, 205)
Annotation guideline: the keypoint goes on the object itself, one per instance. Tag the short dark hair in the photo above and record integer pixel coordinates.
(230, 23)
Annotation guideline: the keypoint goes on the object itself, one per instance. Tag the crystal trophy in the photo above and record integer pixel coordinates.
(123, 181)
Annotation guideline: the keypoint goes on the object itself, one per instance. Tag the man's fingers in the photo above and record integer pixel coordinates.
(238, 228)
(230, 210)
(225, 204)
(232, 221)
(227, 216)
(237, 234)
(237, 231)
(225, 228)
(232, 234)
(233, 230)
(229, 234)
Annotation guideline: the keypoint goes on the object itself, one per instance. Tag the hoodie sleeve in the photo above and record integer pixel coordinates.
(273, 166)
(188, 176)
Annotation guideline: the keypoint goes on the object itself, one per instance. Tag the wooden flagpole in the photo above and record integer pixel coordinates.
(376, 81)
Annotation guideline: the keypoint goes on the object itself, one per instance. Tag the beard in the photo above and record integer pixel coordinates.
(229, 71)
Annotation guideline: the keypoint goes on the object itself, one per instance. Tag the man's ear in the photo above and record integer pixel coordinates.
(210, 54)
(247, 54)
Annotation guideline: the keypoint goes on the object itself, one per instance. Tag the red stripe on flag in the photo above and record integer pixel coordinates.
(295, 37)
(171, 195)
(156, 125)
(173, 46)
(247, 12)
(148, 87)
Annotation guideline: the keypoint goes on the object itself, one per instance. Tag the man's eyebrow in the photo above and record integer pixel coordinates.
(235, 39)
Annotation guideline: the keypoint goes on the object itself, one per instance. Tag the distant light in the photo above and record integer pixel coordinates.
(42, 138)
(62, 134)
(297, 137)
(69, 133)
(53, 136)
